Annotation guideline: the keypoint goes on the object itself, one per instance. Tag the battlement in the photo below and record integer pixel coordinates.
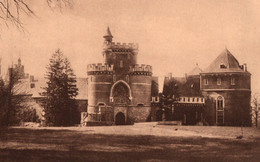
(141, 68)
(100, 67)
(122, 45)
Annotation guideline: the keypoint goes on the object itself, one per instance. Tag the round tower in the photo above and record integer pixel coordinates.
(141, 84)
(140, 79)
(100, 78)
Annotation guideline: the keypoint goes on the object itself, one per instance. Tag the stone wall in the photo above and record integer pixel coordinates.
(138, 114)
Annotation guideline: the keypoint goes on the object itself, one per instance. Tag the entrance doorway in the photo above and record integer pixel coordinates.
(120, 119)
(159, 114)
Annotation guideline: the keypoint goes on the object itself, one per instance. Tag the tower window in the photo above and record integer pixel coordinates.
(32, 85)
(233, 81)
(121, 63)
(218, 81)
(206, 82)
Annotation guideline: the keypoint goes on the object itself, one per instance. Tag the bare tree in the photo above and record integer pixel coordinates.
(11, 10)
(255, 103)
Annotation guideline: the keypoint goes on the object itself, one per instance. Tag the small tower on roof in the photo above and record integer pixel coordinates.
(108, 36)
(19, 62)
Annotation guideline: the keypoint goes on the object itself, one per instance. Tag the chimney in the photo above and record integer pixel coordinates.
(170, 75)
(244, 67)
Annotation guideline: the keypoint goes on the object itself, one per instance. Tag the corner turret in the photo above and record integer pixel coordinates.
(108, 36)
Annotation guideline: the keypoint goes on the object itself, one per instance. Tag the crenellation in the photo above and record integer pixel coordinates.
(99, 67)
(122, 45)
(141, 68)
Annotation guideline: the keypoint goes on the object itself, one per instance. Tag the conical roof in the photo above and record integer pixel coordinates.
(108, 33)
(195, 71)
(225, 62)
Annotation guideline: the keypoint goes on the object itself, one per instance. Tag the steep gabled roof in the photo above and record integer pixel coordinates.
(196, 71)
(225, 62)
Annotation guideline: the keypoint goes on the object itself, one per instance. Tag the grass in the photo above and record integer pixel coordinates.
(102, 144)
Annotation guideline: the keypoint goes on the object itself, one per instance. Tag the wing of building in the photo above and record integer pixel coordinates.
(219, 95)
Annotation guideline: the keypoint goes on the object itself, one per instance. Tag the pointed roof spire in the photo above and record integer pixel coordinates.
(108, 33)
(108, 36)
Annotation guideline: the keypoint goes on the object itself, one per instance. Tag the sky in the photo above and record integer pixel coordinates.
(173, 35)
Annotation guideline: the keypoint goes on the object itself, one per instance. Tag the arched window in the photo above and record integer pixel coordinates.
(220, 110)
(220, 103)
(121, 94)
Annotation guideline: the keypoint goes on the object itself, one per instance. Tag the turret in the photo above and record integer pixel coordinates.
(108, 36)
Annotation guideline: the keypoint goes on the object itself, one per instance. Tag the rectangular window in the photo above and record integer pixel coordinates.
(206, 81)
(218, 81)
(233, 81)
(121, 63)
(32, 85)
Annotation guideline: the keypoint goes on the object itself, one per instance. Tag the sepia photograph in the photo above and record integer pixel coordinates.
(130, 80)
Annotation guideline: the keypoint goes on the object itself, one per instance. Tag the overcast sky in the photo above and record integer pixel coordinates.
(172, 35)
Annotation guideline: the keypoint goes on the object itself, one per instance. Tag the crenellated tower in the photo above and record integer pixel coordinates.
(119, 90)
(121, 55)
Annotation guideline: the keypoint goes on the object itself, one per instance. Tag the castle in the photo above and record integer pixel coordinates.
(119, 90)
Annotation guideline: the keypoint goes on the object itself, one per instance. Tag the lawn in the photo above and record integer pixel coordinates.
(130, 143)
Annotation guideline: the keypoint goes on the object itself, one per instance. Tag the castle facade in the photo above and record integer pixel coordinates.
(119, 90)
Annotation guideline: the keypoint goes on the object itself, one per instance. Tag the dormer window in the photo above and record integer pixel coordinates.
(222, 66)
